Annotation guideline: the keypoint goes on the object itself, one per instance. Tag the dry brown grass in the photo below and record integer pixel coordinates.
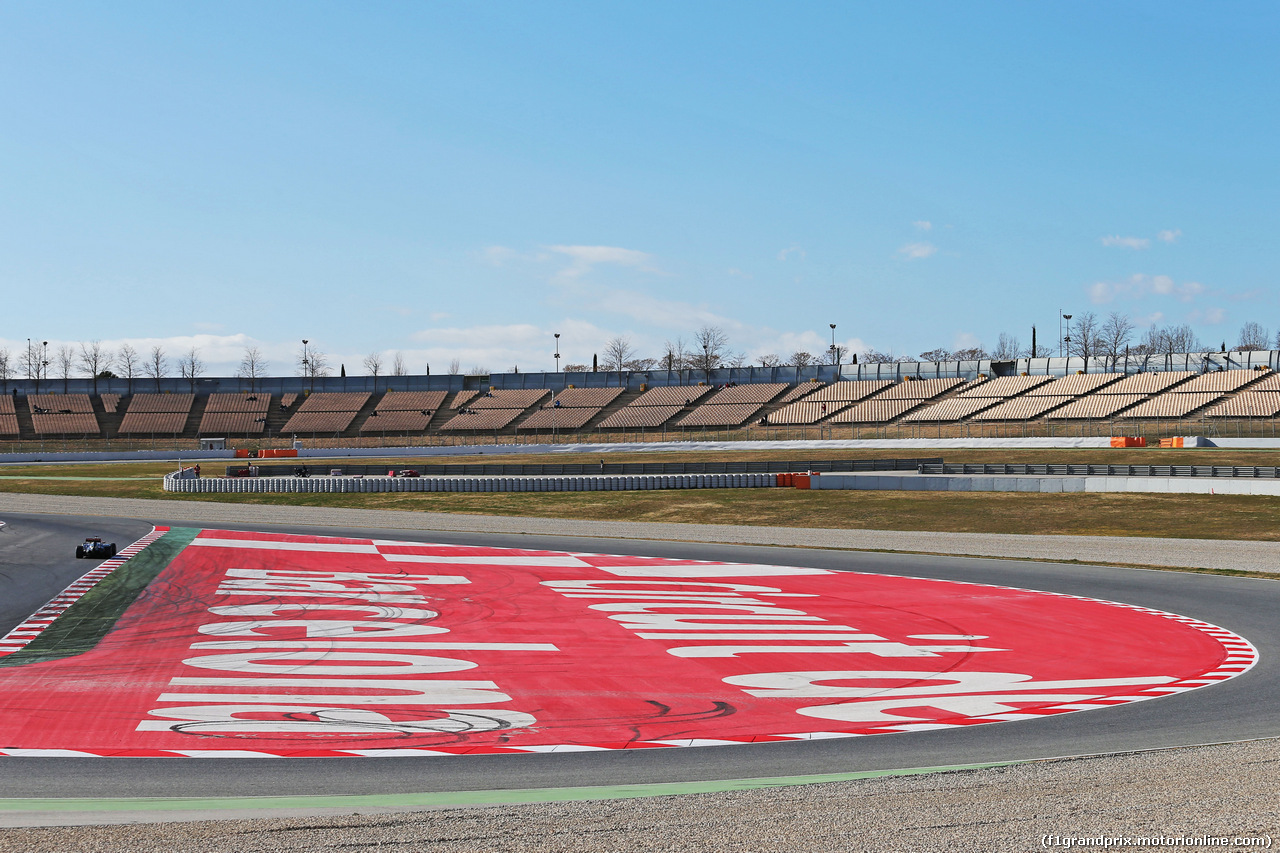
(1193, 516)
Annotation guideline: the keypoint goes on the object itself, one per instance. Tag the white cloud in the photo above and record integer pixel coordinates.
(1140, 285)
(585, 258)
(1169, 236)
(1126, 242)
(923, 224)
(1208, 316)
(915, 251)
(966, 340)
(793, 250)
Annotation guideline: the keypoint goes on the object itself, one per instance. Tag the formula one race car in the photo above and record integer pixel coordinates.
(95, 549)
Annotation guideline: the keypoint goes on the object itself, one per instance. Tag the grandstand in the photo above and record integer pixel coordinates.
(495, 410)
(62, 414)
(572, 408)
(326, 412)
(654, 407)
(157, 414)
(825, 400)
(8, 417)
(907, 398)
(404, 411)
(235, 414)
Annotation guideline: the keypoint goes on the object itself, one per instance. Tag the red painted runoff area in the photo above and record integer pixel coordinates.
(253, 644)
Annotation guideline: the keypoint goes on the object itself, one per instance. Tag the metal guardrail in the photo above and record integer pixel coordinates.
(1245, 471)
(587, 469)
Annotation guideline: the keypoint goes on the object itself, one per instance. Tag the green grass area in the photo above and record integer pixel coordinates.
(1159, 515)
(88, 620)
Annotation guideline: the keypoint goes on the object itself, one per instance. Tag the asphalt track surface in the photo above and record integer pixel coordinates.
(37, 560)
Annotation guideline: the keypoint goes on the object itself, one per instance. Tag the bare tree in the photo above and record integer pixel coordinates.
(191, 367)
(398, 367)
(94, 360)
(455, 367)
(970, 354)
(770, 360)
(6, 367)
(1085, 337)
(713, 341)
(617, 352)
(127, 362)
(675, 355)
(1007, 348)
(802, 358)
(1253, 336)
(312, 362)
(65, 358)
(938, 354)
(576, 368)
(640, 364)
(1173, 339)
(1114, 335)
(156, 366)
(252, 367)
(373, 365)
(876, 357)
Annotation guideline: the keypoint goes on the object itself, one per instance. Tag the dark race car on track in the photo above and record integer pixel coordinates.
(95, 549)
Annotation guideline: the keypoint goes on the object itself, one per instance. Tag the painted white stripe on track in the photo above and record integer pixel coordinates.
(565, 562)
(271, 545)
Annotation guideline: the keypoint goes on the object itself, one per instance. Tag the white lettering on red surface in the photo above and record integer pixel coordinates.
(294, 674)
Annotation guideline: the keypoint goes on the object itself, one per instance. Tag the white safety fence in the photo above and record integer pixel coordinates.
(186, 482)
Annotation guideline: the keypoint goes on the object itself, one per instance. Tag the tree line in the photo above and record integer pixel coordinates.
(1086, 335)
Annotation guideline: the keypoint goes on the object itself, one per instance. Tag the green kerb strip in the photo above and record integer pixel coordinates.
(457, 798)
(86, 622)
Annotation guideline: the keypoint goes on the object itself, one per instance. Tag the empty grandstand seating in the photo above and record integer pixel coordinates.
(801, 390)
(1270, 382)
(235, 414)
(725, 415)
(919, 389)
(8, 416)
(461, 398)
(572, 408)
(157, 414)
(848, 391)
(1004, 386)
(761, 393)
(640, 417)
(495, 409)
(1248, 404)
(110, 402)
(1171, 405)
(327, 412)
(671, 395)
(1221, 382)
(1022, 408)
(877, 410)
(654, 407)
(1075, 385)
(404, 411)
(826, 400)
(1146, 383)
(62, 414)
(1095, 406)
(952, 409)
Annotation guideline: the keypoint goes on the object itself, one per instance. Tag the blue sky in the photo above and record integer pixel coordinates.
(450, 180)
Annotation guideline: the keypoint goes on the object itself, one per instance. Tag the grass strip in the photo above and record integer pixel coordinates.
(88, 620)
